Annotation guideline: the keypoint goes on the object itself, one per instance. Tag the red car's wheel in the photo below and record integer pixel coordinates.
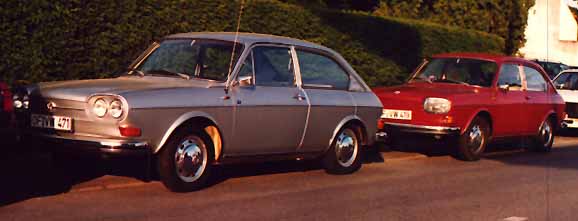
(543, 141)
(472, 143)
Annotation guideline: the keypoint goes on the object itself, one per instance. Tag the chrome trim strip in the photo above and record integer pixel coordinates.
(438, 128)
(122, 144)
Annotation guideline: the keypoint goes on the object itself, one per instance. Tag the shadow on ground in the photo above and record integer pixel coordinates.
(562, 156)
(31, 174)
(28, 174)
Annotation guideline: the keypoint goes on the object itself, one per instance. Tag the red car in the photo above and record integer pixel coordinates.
(474, 99)
(5, 105)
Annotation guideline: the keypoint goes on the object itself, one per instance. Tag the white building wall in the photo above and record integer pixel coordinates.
(552, 33)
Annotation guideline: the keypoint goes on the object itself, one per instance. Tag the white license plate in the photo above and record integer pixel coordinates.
(396, 114)
(51, 122)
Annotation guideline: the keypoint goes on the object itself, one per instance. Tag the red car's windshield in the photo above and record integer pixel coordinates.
(457, 70)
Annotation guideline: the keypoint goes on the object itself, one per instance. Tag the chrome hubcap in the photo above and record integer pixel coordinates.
(191, 159)
(475, 139)
(346, 148)
(546, 133)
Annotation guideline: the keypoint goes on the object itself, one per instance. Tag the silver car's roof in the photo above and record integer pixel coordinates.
(249, 38)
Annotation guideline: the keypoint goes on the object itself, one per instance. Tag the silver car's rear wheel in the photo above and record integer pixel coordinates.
(346, 148)
(344, 155)
(184, 163)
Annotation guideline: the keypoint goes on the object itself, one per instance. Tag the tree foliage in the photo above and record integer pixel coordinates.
(76, 39)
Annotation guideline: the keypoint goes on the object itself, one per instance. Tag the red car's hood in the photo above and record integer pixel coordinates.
(417, 92)
(423, 90)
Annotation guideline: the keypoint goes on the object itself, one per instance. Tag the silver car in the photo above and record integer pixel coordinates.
(196, 100)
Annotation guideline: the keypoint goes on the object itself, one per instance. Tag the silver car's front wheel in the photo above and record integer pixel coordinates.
(184, 163)
(344, 156)
(191, 159)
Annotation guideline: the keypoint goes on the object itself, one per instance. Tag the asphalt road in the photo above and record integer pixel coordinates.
(508, 184)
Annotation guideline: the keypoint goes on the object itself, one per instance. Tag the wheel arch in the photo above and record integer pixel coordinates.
(199, 120)
(359, 125)
(552, 115)
(484, 114)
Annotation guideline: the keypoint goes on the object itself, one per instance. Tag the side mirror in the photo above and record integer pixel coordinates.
(559, 86)
(244, 81)
(505, 87)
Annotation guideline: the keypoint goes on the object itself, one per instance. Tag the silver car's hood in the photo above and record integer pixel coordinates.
(80, 90)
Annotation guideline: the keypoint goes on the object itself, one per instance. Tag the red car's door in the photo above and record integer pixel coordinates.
(537, 96)
(509, 102)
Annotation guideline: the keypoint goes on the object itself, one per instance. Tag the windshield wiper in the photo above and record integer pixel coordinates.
(426, 79)
(139, 72)
(165, 72)
(451, 81)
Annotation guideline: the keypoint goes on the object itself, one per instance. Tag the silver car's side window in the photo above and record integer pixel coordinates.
(320, 71)
(273, 66)
(247, 69)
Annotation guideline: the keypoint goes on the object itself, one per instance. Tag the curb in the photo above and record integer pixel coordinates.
(395, 156)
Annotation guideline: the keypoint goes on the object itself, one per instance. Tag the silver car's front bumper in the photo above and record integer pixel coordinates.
(81, 144)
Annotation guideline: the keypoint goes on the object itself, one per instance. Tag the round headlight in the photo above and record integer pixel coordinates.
(18, 104)
(437, 105)
(100, 107)
(115, 108)
(26, 102)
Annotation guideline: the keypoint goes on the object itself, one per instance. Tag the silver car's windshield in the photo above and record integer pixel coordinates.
(195, 58)
(458, 71)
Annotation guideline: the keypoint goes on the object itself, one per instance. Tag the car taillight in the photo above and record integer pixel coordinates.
(6, 99)
(380, 124)
(129, 131)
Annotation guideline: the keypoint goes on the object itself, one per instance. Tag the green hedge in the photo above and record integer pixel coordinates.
(506, 18)
(56, 40)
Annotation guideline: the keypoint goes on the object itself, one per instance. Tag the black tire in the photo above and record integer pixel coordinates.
(473, 142)
(338, 160)
(187, 141)
(543, 141)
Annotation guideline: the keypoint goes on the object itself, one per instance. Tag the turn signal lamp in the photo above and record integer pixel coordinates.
(129, 131)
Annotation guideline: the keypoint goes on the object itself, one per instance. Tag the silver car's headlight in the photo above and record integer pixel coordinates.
(437, 105)
(100, 107)
(115, 108)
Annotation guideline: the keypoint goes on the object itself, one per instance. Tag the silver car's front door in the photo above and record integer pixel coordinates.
(271, 111)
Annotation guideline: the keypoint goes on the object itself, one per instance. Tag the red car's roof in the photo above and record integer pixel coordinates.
(492, 57)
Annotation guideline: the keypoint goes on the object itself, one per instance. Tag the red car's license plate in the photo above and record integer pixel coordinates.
(396, 114)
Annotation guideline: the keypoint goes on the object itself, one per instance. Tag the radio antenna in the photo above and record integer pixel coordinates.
(234, 47)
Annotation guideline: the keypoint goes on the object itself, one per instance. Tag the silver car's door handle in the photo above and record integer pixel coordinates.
(299, 97)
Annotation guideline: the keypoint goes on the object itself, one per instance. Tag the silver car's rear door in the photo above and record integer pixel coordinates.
(271, 112)
(326, 84)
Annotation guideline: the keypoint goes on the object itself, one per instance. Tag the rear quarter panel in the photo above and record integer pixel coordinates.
(368, 110)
